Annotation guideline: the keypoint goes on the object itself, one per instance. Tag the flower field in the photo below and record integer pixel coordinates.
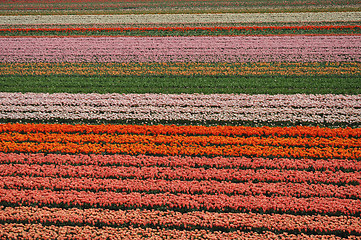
(202, 119)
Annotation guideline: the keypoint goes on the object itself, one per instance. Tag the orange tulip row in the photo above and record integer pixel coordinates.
(185, 130)
(180, 139)
(187, 149)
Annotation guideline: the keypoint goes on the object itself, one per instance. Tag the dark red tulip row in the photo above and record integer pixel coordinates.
(179, 186)
(187, 221)
(180, 201)
(348, 165)
(39, 231)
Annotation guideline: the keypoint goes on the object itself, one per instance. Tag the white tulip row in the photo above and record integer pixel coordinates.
(312, 109)
(182, 100)
(183, 18)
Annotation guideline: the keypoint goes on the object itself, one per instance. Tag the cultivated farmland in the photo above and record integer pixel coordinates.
(214, 119)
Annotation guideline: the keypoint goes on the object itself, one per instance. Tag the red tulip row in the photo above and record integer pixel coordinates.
(302, 131)
(187, 161)
(38, 231)
(187, 221)
(170, 173)
(186, 202)
(179, 186)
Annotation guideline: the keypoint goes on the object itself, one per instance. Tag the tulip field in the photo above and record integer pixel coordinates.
(193, 119)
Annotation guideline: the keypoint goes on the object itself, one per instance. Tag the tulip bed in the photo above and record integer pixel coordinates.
(214, 119)
(183, 31)
(161, 6)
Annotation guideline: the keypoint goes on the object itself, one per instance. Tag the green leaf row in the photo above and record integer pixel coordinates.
(332, 84)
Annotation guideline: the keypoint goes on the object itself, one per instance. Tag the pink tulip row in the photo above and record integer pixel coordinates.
(194, 219)
(181, 100)
(170, 173)
(183, 162)
(298, 48)
(179, 186)
(39, 231)
(217, 202)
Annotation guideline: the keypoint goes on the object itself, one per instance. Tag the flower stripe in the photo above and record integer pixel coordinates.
(185, 140)
(187, 174)
(310, 27)
(286, 17)
(197, 150)
(296, 48)
(179, 186)
(195, 219)
(40, 231)
(216, 109)
(301, 131)
(347, 165)
(187, 202)
(182, 69)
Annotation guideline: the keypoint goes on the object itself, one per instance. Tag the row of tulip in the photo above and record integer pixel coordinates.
(184, 31)
(189, 149)
(268, 17)
(211, 140)
(331, 28)
(255, 119)
(190, 109)
(346, 165)
(298, 131)
(118, 29)
(186, 221)
(184, 174)
(183, 69)
(180, 186)
(39, 231)
(181, 201)
(183, 115)
(298, 48)
(196, 100)
(179, 109)
(162, 6)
